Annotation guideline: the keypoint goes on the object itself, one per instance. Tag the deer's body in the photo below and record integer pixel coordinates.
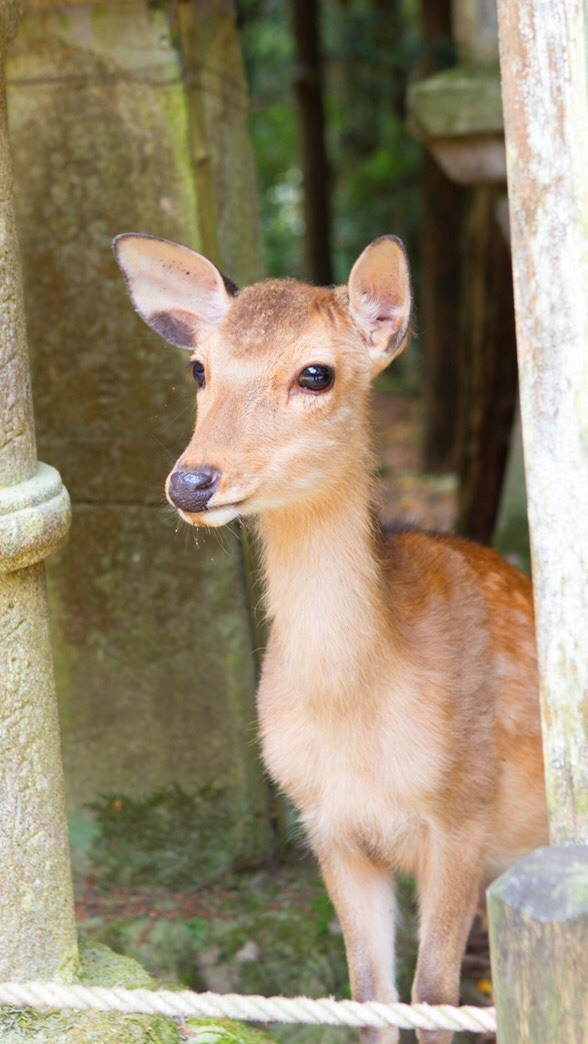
(398, 700)
(415, 721)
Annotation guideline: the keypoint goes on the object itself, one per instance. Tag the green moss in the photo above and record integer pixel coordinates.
(171, 838)
(203, 1031)
(101, 967)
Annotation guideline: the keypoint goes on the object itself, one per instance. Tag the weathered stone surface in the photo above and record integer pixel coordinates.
(457, 114)
(155, 682)
(457, 102)
(38, 932)
(539, 947)
(151, 637)
(99, 129)
(18, 456)
(34, 519)
(36, 905)
(220, 147)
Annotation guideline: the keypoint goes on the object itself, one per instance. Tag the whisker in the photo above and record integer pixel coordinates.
(222, 540)
(165, 422)
(169, 453)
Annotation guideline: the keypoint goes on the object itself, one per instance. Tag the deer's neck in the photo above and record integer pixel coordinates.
(324, 592)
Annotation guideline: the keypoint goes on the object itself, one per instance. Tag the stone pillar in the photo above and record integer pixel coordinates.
(38, 939)
(151, 632)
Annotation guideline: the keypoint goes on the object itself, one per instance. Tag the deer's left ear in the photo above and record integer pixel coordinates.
(380, 299)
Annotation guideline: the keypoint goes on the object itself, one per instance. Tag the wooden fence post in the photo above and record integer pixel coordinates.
(539, 910)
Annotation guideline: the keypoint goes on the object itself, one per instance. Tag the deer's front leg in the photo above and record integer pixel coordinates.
(449, 882)
(363, 895)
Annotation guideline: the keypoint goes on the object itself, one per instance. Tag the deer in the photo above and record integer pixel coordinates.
(398, 701)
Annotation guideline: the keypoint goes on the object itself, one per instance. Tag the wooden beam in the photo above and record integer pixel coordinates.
(545, 96)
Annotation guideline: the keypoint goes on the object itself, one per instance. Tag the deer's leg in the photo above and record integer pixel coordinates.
(449, 882)
(363, 895)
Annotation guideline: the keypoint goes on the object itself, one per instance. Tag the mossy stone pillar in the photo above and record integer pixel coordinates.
(37, 940)
(151, 632)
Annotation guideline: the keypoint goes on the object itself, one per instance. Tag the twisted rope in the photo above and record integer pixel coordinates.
(184, 1003)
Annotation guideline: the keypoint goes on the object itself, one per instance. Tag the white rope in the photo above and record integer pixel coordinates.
(184, 1003)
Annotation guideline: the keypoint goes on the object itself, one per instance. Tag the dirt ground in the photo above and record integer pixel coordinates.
(407, 494)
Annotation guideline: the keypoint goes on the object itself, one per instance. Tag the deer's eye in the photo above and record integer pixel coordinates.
(198, 372)
(317, 378)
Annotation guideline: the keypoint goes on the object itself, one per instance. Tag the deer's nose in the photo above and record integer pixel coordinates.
(191, 490)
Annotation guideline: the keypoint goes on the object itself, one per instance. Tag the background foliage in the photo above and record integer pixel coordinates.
(370, 50)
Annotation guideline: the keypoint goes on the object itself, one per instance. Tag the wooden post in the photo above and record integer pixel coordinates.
(543, 55)
(539, 910)
(539, 943)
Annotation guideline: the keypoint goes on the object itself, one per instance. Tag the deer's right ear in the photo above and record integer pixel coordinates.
(179, 293)
(380, 299)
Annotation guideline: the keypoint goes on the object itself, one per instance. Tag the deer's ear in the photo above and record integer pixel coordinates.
(380, 299)
(179, 293)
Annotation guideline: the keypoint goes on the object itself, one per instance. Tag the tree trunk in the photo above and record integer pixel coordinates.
(440, 268)
(546, 120)
(440, 289)
(487, 367)
(308, 81)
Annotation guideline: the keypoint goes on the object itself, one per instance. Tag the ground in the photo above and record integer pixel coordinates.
(429, 501)
(272, 929)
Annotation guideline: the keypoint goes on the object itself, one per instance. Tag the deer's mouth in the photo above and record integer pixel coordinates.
(214, 515)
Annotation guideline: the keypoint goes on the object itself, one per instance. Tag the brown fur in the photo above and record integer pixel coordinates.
(398, 702)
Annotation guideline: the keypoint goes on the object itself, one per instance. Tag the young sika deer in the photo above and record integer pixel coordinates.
(398, 701)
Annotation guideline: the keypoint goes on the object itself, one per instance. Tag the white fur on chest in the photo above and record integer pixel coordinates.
(359, 778)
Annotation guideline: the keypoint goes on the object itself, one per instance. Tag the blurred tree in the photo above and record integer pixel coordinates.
(470, 377)
(381, 182)
(369, 49)
(372, 47)
(316, 188)
(487, 365)
(268, 50)
(442, 202)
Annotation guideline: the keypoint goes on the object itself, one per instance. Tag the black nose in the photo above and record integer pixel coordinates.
(191, 490)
